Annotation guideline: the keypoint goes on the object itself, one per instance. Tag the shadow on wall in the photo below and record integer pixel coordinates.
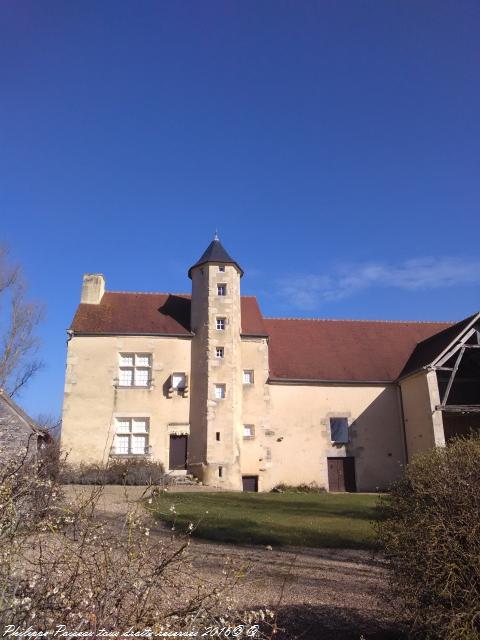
(377, 443)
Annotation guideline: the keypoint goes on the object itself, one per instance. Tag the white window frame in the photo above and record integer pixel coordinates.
(134, 369)
(221, 289)
(248, 373)
(220, 352)
(221, 323)
(251, 428)
(127, 429)
(220, 391)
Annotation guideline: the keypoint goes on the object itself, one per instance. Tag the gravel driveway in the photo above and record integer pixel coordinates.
(321, 594)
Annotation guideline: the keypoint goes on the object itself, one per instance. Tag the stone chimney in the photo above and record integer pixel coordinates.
(93, 288)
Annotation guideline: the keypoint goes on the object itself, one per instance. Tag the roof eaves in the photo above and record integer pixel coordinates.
(84, 334)
(315, 381)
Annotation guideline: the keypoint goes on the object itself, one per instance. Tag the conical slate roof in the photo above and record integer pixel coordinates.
(215, 253)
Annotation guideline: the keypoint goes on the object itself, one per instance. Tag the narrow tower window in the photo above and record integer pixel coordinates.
(248, 376)
(217, 436)
(220, 391)
(221, 324)
(248, 431)
(222, 289)
(221, 267)
(219, 352)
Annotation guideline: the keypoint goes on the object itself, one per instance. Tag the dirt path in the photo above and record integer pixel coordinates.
(322, 593)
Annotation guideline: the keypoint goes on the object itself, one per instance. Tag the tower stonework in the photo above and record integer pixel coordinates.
(216, 391)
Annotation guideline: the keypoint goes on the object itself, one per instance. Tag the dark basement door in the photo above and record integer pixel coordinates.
(250, 483)
(341, 474)
(178, 452)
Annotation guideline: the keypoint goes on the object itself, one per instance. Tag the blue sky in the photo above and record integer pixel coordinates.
(335, 146)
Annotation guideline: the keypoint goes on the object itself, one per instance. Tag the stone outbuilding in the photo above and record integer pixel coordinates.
(20, 435)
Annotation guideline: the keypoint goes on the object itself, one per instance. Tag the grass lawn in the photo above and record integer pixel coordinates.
(301, 519)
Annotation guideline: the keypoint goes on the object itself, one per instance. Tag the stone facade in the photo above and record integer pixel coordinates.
(19, 434)
(157, 374)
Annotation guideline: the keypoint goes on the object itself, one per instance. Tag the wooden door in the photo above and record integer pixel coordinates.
(341, 474)
(178, 452)
(250, 483)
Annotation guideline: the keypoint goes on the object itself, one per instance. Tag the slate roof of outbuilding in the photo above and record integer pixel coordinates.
(429, 349)
(299, 349)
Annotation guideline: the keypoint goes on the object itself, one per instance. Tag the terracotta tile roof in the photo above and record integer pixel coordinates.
(299, 349)
(151, 314)
(343, 350)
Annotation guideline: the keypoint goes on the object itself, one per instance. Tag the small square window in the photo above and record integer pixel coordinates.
(221, 267)
(219, 352)
(221, 324)
(248, 376)
(179, 380)
(220, 391)
(339, 430)
(248, 431)
(221, 289)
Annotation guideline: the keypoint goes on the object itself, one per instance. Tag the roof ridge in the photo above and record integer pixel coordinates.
(446, 322)
(152, 293)
(167, 293)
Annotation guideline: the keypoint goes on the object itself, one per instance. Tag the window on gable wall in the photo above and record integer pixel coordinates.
(134, 370)
(339, 430)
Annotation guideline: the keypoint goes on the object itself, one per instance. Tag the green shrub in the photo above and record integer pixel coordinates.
(430, 533)
(129, 472)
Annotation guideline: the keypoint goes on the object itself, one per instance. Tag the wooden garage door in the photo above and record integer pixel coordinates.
(250, 483)
(178, 452)
(341, 474)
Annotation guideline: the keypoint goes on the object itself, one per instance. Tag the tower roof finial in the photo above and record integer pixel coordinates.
(215, 236)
